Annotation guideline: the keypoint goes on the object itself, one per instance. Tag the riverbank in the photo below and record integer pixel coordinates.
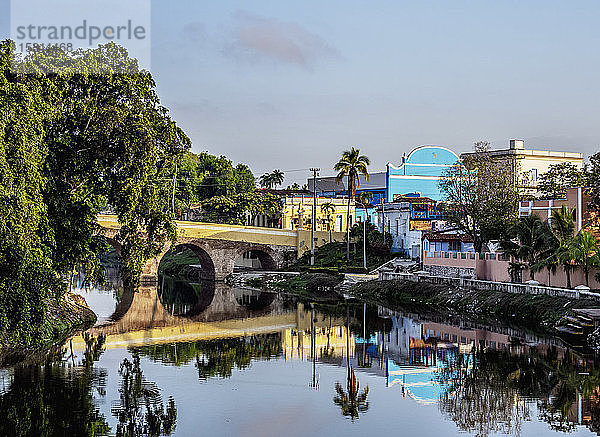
(64, 318)
(537, 312)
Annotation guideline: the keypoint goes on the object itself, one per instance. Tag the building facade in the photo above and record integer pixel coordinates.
(406, 218)
(297, 212)
(528, 164)
(420, 172)
(576, 200)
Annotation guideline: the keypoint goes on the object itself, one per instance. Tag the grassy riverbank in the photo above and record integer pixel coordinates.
(332, 257)
(63, 319)
(537, 312)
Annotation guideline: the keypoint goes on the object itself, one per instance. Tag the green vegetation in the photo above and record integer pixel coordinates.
(532, 243)
(331, 256)
(554, 183)
(215, 357)
(176, 264)
(235, 208)
(351, 165)
(70, 143)
(271, 180)
(535, 245)
(481, 196)
(536, 312)
(312, 285)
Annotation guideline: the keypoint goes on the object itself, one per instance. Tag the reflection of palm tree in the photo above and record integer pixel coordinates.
(351, 402)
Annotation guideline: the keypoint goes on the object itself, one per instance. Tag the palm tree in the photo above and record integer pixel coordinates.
(365, 199)
(328, 209)
(277, 177)
(563, 227)
(529, 243)
(350, 165)
(583, 250)
(351, 402)
(266, 180)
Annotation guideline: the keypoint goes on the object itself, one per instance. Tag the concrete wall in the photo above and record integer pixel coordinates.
(489, 269)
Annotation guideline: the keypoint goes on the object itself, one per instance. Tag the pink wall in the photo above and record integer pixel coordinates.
(438, 259)
(497, 270)
(492, 270)
(559, 279)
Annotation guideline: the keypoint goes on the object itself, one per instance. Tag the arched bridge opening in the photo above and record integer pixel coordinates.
(255, 259)
(188, 262)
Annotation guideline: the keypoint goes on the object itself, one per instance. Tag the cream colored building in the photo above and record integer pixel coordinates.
(530, 164)
(297, 213)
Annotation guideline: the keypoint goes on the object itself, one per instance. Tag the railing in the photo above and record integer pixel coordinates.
(478, 284)
(454, 255)
(426, 215)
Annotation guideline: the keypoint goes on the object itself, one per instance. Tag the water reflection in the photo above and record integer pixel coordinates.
(224, 348)
(140, 410)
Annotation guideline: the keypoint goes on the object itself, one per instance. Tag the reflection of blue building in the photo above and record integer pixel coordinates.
(421, 368)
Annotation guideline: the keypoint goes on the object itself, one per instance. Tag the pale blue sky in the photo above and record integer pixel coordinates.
(290, 85)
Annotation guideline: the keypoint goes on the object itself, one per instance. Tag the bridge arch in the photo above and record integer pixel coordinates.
(265, 255)
(205, 261)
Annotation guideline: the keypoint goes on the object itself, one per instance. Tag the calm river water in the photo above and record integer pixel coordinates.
(205, 359)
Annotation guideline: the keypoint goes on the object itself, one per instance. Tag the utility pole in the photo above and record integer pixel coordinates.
(313, 228)
(365, 239)
(383, 217)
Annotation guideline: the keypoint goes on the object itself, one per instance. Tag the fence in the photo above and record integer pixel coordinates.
(478, 284)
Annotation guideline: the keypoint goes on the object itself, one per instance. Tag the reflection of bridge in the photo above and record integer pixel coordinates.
(218, 246)
(221, 312)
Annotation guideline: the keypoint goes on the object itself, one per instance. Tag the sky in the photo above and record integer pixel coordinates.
(290, 85)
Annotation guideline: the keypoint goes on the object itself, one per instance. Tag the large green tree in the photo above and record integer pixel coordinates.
(480, 196)
(203, 176)
(91, 132)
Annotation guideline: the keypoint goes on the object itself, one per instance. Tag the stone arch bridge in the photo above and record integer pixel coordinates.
(217, 246)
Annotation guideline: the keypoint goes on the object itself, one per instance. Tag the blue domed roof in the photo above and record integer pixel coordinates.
(432, 155)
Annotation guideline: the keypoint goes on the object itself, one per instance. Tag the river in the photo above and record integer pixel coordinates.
(202, 358)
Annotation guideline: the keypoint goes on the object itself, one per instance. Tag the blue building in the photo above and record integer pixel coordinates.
(419, 172)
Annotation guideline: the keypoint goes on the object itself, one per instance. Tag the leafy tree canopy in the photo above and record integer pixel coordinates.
(554, 183)
(93, 132)
(480, 196)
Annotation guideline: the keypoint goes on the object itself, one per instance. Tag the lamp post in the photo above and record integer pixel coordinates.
(313, 228)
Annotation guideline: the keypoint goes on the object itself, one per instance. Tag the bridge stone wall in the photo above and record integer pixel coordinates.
(217, 257)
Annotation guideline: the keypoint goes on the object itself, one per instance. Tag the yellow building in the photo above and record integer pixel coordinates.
(529, 165)
(297, 213)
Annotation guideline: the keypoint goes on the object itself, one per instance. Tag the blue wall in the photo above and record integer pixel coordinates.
(420, 171)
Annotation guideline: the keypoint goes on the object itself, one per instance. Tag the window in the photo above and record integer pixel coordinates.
(454, 246)
(534, 175)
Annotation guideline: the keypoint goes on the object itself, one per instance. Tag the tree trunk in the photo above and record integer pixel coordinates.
(587, 275)
(348, 229)
(477, 244)
(568, 273)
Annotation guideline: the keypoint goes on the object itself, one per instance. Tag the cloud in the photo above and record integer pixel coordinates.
(195, 32)
(282, 42)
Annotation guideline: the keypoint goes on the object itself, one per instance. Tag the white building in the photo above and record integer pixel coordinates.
(397, 218)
